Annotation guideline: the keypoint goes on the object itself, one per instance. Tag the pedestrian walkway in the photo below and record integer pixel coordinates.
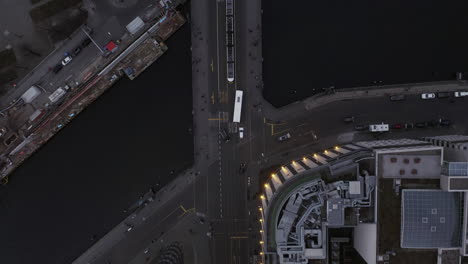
(372, 92)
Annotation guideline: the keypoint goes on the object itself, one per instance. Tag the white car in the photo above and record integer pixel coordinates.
(241, 132)
(66, 60)
(428, 96)
(284, 137)
(461, 94)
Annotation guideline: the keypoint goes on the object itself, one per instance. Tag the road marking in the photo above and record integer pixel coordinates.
(217, 41)
(279, 132)
(212, 98)
(239, 237)
(173, 211)
(191, 210)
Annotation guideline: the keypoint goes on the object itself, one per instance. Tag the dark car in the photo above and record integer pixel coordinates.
(443, 95)
(445, 122)
(409, 125)
(76, 51)
(348, 119)
(421, 124)
(85, 42)
(57, 68)
(432, 123)
(397, 126)
(361, 127)
(397, 97)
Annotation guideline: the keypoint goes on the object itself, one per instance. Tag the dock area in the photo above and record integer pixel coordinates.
(37, 121)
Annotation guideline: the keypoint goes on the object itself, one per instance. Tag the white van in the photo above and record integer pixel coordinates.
(379, 128)
(461, 94)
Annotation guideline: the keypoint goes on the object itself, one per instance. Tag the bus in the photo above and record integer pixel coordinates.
(237, 107)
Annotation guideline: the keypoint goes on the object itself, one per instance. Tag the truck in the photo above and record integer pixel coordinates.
(379, 127)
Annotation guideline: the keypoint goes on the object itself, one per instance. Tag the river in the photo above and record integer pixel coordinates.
(75, 188)
(319, 44)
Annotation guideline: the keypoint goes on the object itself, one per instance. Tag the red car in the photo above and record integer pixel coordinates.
(397, 126)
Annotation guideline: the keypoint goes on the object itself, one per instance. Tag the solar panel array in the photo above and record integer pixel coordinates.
(458, 169)
(431, 219)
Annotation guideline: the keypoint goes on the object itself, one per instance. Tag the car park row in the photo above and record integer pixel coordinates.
(423, 124)
(69, 56)
(428, 96)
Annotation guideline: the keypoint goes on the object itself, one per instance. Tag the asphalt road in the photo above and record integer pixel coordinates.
(221, 191)
(230, 197)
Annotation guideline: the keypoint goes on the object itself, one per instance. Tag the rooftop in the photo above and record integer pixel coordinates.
(431, 219)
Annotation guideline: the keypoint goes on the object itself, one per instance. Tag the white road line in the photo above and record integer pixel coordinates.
(217, 43)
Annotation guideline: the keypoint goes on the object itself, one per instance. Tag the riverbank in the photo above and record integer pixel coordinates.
(76, 188)
(134, 59)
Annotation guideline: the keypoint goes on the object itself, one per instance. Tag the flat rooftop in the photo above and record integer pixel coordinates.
(431, 219)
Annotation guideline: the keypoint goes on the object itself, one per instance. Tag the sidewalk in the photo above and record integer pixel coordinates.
(149, 207)
(372, 92)
(315, 101)
(189, 233)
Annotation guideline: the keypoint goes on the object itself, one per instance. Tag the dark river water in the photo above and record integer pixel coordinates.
(80, 182)
(315, 44)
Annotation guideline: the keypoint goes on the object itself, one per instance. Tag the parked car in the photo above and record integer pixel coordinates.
(66, 60)
(57, 68)
(85, 42)
(2, 131)
(445, 122)
(348, 119)
(460, 94)
(432, 123)
(397, 126)
(421, 124)
(443, 95)
(409, 125)
(76, 51)
(397, 97)
(361, 127)
(284, 137)
(427, 96)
